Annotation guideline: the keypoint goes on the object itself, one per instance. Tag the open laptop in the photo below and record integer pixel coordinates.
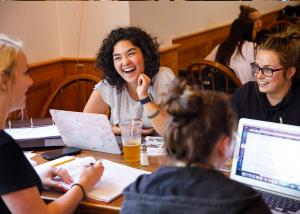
(85, 131)
(267, 157)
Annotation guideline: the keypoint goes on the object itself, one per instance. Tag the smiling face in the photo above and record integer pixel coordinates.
(280, 81)
(128, 61)
(19, 83)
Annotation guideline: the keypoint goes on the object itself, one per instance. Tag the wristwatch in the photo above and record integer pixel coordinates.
(146, 100)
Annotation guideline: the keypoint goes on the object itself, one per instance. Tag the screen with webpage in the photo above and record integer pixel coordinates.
(271, 156)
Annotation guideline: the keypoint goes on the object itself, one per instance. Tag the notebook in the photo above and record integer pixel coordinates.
(85, 131)
(36, 137)
(112, 182)
(267, 157)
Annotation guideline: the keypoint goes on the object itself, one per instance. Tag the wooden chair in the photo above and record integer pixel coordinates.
(70, 94)
(213, 76)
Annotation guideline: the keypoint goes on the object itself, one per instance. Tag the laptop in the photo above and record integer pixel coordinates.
(267, 157)
(85, 130)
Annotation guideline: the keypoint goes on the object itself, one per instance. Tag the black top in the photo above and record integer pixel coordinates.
(16, 173)
(248, 102)
(190, 190)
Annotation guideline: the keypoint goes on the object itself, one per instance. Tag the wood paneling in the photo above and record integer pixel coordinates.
(169, 57)
(197, 46)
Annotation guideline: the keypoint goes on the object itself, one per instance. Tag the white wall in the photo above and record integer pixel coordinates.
(35, 24)
(83, 25)
(52, 29)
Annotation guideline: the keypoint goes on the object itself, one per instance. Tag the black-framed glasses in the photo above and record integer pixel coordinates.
(268, 72)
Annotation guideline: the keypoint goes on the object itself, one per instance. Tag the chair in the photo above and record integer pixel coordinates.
(213, 76)
(70, 94)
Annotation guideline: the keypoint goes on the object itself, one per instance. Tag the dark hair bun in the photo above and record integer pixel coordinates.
(183, 101)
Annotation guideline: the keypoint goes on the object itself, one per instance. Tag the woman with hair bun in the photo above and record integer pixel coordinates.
(199, 141)
(275, 95)
(238, 50)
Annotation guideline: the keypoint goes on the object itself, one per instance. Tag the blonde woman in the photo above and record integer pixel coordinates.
(20, 185)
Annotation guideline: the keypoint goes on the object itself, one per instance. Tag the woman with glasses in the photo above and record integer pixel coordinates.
(275, 96)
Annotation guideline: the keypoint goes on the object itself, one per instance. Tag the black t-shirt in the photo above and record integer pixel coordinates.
(248, 102)
(16, 173)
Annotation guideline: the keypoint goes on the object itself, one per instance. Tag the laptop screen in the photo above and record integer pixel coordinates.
(269, 155)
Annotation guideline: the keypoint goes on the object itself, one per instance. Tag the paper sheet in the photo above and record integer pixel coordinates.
(33, 133)
(113, 180)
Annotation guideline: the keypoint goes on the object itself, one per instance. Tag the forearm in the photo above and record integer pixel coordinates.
(68, 202)
(159, 121)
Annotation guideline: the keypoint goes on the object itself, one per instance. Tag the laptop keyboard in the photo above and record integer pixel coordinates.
(281, 203)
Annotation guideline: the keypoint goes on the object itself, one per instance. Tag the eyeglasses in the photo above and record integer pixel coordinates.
(268, 72)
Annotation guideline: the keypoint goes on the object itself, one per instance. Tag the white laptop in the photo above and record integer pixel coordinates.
(85, 131)
(267, 157)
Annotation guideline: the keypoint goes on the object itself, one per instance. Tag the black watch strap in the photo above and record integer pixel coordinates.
(146, 100)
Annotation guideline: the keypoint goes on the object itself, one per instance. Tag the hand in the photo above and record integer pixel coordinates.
(48, 176)
(147, 131)
(91, 175)
(142, 87)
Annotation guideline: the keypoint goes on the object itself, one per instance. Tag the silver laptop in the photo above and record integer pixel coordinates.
(267, 157)
(85, 131)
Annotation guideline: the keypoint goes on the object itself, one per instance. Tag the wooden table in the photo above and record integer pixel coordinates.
(91, 206)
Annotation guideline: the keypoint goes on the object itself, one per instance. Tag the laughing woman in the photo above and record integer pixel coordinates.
(20, 186)
(133, 81)
(275, 96)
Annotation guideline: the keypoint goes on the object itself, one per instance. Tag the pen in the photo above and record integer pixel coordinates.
(9, 124)
(65, 161)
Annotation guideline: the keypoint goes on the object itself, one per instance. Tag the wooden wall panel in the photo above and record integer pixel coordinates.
(169, 57)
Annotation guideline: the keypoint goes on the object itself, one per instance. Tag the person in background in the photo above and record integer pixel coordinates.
(199, 140)
(247, 12)
(238, 50)
(20, 185)
(275, 95)
(133, 81)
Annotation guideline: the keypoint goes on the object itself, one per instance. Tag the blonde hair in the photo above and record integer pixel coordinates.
(9, 50)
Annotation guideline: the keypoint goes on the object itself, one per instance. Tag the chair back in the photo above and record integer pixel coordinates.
(213, 76)
(70, 94)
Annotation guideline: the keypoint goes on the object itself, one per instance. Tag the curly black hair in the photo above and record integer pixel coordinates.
(139, 38)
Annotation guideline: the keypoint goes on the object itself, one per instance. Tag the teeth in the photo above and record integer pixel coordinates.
(128, 69)
(262, 83)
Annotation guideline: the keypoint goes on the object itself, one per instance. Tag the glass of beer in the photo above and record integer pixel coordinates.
(131, 139)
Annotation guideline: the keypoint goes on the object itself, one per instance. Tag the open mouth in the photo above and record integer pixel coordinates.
(261, 83)
(129, 70)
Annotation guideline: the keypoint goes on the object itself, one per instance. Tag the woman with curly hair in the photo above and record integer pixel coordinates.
(133, 80)
(198, 140)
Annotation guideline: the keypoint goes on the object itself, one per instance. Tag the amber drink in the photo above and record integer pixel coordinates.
(131, 139)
